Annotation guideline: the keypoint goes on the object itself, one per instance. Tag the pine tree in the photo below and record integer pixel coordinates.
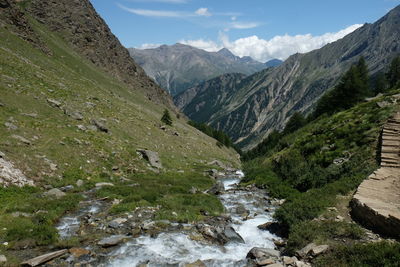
(381, 83)
(393, 75)
(166, 118)
(295, 122)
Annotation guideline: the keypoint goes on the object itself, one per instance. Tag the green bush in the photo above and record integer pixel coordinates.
(359, 255)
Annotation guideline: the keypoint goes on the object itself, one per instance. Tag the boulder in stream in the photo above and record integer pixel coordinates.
(112, 240)
(262, 253)
(232, 235)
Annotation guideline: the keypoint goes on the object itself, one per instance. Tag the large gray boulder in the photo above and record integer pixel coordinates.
(217, 188)
(232, 235)
(152, 157)
(112, 241)
(55, 192)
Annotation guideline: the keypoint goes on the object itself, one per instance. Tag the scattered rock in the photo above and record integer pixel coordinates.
(2, 155)
(99, 125)
(81, 127)
(193, 190)
(74, 114)
(112, 241)
(319, 250)
(53, 167)
(104, 184)
(79, 252)
(217, 163)
(213, 173)
(302, 253)
(289, 260)
(382, 104)
(44, 258)
(10, 126)
(302, 264)
(9, 175)
(21, 139)
(116, 223)
(339, 219)
(265, 262)
(32, 115)
(20, 214)
(79, 183)
(264, 226)
(262, 253)
(276, 265)
(55, 192)
(217, 188)
(3, 259)
(54, 103)
(197, 263)
(279, 243)
(67, 188)
(152, 157)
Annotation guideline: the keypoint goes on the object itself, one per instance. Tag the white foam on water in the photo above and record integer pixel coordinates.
(177, 248)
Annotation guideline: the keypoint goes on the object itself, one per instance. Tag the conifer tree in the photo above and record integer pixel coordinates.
(393, 75)
(166, 118)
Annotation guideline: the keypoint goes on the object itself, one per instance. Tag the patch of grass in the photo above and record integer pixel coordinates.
(358, 255)
(169, 192)
(321, 232)
(40, 214)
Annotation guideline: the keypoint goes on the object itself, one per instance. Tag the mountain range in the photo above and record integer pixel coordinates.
(179, 67)
(266, 100)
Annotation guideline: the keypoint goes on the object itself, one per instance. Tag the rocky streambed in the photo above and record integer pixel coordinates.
(235, 238)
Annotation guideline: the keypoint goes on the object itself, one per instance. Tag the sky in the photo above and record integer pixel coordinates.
(262, 29)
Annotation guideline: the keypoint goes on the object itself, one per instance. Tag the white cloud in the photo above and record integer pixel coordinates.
(153, 13)
(203, 12)
(207, 45)
(243, 25)
(278, 47)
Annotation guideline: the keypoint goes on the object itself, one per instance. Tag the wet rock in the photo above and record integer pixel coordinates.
(197, 263)
(262, 253)
(232, 235)
(217, 188)
(116, 223)
(3, 259)
(21, 139)
(55, 192)
(152, 157)
(104, 184)
(112, 241)
(99, 125)
(79, 252)
(44, 258)
(264, 226)
(54, 103)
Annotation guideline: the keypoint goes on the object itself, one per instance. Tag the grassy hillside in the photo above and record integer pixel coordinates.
(317, 167)
(60, 151)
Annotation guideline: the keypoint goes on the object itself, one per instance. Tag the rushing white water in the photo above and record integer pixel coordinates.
(178, 248)
(69, 225)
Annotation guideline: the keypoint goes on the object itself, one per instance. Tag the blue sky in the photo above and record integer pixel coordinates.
(263, 29)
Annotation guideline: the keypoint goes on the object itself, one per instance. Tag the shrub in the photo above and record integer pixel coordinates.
(166, 118)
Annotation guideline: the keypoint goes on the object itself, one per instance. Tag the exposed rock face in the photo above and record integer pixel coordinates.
(90, 36)
(179, 67)
(376, 203)
(9, 175)
(268, 98)
(208, 96)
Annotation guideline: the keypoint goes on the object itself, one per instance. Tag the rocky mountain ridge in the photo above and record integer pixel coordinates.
(268, 98)
(179, 67)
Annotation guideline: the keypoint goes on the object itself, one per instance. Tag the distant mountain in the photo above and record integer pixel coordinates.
(208, 96)
(179, 67)
(273, 63)
(266, 100)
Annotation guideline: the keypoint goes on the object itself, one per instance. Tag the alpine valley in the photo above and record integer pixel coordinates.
(175, 156)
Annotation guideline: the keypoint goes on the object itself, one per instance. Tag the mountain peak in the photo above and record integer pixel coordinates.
(226, 52)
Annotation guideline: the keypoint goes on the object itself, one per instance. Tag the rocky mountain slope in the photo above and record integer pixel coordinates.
(179, 67)
(268, 98)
